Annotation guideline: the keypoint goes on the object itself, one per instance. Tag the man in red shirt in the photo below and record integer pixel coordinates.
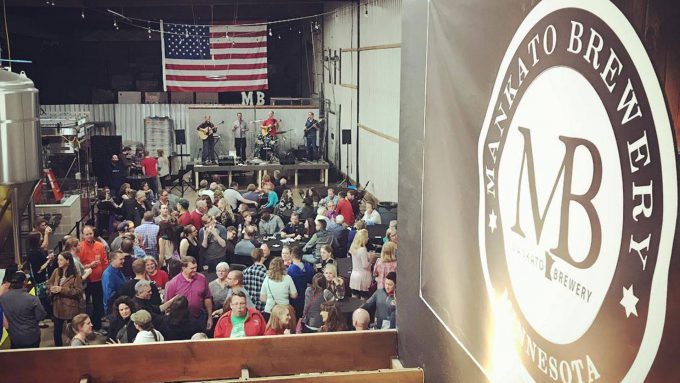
(150, 168)
(344, 207)
(197, 214)
(271, 123)
(93, 255)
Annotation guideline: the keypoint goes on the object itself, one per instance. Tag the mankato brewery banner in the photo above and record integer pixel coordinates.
(578, 203)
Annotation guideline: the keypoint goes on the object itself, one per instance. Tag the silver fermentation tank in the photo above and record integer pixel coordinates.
(20, 157)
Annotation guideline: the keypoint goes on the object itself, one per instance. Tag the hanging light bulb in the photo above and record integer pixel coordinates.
(115, 24)
(270, 32)
(279, 37)
(316, 25)
(186, 33)
(82, 14)
(366, 10)
(300, 31)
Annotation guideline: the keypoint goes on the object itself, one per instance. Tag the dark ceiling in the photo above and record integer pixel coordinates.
(75, 58)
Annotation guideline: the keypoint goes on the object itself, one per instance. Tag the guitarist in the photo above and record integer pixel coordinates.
(311, 129)
(208, 128)
(270, 125)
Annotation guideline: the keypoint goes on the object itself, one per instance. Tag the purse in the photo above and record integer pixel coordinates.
(301, 321)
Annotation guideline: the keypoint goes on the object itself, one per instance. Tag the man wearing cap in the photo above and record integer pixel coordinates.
(194, 287)
(270, 224)
(122, 230)
(147, 333)
(23, 312)
(184, 218)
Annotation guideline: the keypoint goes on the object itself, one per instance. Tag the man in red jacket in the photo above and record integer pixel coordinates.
(344, 207)
(241, 321)
(93, 255)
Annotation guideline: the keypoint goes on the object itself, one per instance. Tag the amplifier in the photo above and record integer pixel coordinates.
(288, 158)
(300, 154)
(227, 161)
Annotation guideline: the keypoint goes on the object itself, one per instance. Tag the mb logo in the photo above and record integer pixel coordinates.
(247, 98)
(584, 200)
(578, 195)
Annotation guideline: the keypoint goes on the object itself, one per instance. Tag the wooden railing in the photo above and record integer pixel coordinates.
(273, 356)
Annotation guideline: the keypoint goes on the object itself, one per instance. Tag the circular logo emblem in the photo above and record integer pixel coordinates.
(578, 194)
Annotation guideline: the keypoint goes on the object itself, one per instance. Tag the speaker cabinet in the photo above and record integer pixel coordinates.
(346, 136)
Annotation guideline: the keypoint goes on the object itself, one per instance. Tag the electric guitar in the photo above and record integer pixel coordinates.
(314, 126)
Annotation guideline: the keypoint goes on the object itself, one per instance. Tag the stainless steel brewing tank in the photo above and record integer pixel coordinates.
(20, 148)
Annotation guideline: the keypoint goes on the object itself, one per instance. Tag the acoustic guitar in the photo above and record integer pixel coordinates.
(314, 126)
(267, 128)
(206, 131)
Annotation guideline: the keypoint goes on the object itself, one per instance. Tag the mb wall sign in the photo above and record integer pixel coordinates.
(578, 195)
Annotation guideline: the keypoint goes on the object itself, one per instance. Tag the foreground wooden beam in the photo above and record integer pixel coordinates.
(202, 360)
(407, 375)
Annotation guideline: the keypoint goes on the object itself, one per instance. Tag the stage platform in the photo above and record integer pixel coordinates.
(261, 169)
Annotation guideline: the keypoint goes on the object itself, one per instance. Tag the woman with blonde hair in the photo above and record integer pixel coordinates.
(385, 264)
(279, 321)
(360, 278)
(278, 287)
(335, 284)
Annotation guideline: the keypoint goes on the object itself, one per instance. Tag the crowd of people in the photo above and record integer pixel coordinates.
(150, 269)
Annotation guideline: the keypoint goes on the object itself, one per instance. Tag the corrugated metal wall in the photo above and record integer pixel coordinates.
(378, 91)
(127, 119)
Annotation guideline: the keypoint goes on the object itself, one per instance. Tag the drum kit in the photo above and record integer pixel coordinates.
(267, 146)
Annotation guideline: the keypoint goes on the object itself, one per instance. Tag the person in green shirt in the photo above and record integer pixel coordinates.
(240, 321)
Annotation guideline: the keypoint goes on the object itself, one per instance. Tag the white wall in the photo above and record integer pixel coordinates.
(377, 97)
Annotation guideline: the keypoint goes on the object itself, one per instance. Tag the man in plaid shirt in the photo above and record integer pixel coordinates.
(253, 277)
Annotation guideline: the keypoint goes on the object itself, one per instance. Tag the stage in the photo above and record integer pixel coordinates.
(322, 166)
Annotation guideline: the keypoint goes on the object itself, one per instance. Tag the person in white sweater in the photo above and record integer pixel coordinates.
(371, 216)
(146, 334)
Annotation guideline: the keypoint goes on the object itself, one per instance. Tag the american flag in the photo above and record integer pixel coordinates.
(217, 58)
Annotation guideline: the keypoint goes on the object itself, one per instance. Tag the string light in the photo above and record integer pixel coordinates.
(186, 33)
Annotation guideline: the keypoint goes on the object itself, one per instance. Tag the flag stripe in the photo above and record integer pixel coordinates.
(231, 39)
(240, 55)
(237, 28)
(228, 77)
(234, 44)
(216, 67)
(238, 34)
(212, 83)
(239, 88)
(234, 60)
(238, 51)
(210, 71)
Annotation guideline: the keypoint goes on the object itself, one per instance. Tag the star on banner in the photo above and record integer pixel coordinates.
(629, 301)
(492, 221)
